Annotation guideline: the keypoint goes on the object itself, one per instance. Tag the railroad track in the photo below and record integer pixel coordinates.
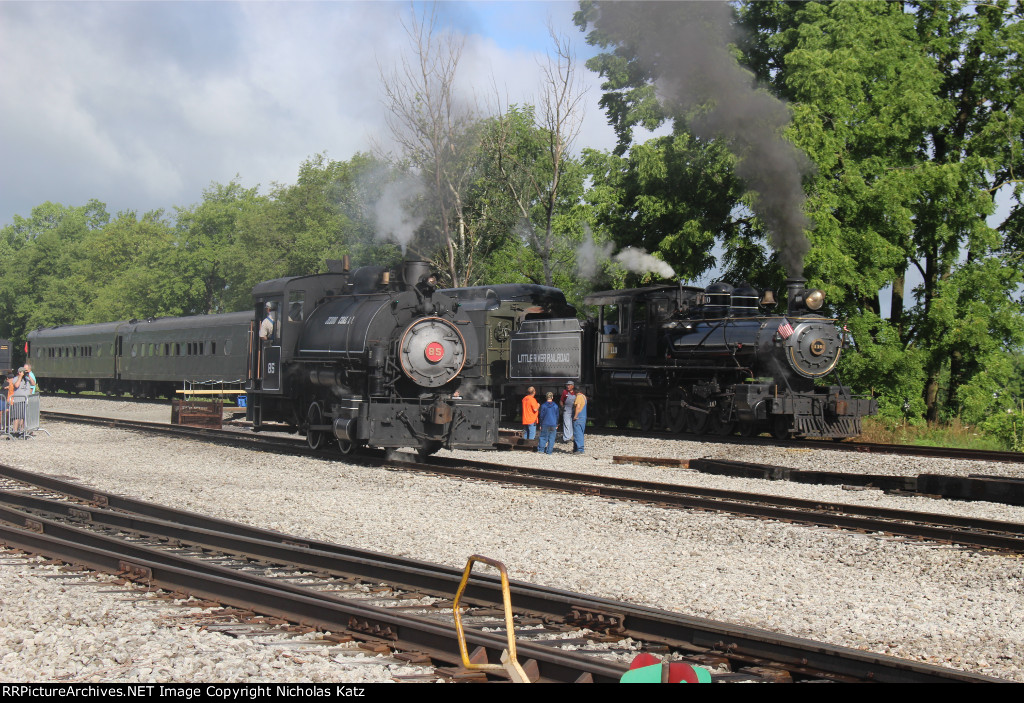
(401, 605)
(844, 446)
(944, 529)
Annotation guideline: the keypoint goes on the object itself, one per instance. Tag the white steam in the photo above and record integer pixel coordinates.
(394, 211)
(591, 258)
(639, 261)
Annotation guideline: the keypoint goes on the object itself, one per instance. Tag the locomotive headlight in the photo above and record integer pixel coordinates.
(814, 299)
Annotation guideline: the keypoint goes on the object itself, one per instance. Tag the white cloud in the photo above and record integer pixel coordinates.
(142, 105)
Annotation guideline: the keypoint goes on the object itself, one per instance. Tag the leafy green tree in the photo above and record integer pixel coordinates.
(207, 234)
(529, 199)
(41, 284)
(131, 267)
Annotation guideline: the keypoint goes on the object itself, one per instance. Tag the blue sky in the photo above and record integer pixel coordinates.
(142, 105)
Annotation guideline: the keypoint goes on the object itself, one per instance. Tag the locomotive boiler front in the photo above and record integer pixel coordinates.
(363, 334)
(432, 352)
(379, 364)
(810, 348)
(809, 343)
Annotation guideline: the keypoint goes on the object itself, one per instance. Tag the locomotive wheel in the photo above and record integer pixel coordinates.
(314, 417)
(747, 428)
(720, 427)
(622, 419)
(696, 422)
(780, 426)
(648, 416)
(426, 449)
(675, 412)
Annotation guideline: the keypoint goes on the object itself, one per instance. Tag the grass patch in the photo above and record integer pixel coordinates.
(954, 434)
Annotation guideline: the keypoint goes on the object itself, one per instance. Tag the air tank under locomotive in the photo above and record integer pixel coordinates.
(369, 357)
(713, 360)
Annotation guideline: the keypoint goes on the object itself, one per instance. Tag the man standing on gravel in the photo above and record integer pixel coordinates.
(579, 421)
(566, 401)
(530, 407)
(31, 377)
(548, 425)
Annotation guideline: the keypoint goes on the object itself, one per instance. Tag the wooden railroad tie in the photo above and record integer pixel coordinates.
(651, 461)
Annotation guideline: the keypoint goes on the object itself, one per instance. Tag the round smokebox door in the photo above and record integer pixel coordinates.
(432, 352)
(814, 349)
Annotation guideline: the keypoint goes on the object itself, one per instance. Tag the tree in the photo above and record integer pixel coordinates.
(42, 284)
(207, 233)
(531, 155)
(438, 135)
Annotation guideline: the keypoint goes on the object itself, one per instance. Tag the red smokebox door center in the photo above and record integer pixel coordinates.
(434, 352)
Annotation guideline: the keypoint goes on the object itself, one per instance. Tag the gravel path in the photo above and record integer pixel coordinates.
(937, 604)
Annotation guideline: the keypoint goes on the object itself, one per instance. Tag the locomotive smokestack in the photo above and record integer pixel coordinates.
(795, 288)
(414, 271)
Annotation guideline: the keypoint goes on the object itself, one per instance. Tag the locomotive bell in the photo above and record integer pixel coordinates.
(768, 299)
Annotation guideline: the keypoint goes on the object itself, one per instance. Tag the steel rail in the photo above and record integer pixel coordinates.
(972, 533)
(267, 596)
(846, 446)
(743, 645)
(941, 528)
(460, 465)
(862, 447)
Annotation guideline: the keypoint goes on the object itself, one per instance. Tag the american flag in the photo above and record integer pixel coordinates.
(785, 329)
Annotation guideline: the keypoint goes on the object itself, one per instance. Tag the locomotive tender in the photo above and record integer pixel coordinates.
(366, 357)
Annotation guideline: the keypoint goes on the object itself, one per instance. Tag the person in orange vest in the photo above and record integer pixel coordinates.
(530, 408)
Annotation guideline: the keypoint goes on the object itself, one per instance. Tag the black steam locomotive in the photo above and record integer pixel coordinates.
(365, 357)
(703, 360)
(713, 360)
(369, 357)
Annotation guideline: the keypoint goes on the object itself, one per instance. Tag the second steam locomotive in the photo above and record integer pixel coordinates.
(704, 360)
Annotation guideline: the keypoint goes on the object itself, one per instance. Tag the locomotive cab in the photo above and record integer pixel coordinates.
(629, 322)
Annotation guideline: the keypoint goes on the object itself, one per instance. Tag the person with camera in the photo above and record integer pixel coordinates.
(20, 389)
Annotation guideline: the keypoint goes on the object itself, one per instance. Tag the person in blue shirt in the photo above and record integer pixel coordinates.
(548, 417)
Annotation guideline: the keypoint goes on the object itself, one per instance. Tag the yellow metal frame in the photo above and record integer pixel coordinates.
(509, 663)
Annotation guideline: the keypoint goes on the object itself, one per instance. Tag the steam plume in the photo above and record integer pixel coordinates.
(639, 261)
(396, 221)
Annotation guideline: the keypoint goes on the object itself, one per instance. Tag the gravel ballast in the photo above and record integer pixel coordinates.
(943, 605)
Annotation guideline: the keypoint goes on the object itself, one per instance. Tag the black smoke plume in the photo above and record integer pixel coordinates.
(685, 47)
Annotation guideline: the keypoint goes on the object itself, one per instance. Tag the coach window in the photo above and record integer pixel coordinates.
(227, 347)
(213, 348)
(295, 301)
(177, 348)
